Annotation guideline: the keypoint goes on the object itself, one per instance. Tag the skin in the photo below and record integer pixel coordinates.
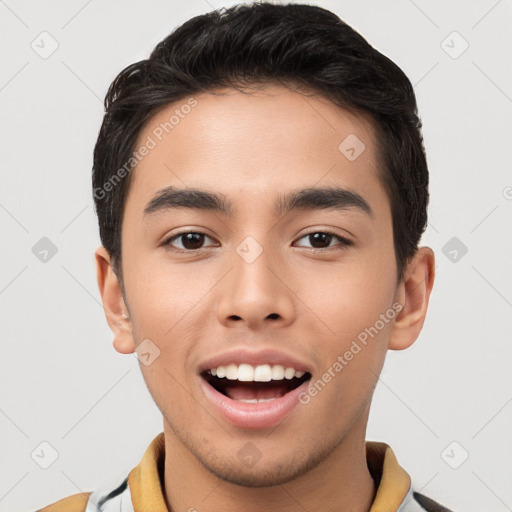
(309, 303)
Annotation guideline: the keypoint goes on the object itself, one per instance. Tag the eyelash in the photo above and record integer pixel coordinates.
(345, 242)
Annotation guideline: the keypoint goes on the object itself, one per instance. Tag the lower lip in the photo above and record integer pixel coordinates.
(254, 416)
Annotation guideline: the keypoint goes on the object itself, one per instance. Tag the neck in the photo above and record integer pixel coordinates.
(341, 481)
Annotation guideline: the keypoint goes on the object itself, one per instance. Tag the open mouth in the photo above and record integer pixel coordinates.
(248, 384)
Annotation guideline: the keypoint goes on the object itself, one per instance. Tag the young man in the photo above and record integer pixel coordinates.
(261, 188)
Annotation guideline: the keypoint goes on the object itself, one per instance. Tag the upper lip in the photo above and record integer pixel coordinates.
(254, 358)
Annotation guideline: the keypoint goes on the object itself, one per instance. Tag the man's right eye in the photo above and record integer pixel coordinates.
(190, 240)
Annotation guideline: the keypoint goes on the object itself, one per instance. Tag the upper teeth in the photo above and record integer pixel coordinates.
(262, 373)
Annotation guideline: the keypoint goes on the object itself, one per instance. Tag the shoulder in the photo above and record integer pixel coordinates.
(74, 503)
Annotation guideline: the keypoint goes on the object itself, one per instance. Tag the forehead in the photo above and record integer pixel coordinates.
(244, 144)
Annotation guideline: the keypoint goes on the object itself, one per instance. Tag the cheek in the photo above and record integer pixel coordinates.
(351, 298)
(353, 349)
(162, 294)
(166, 306)
(170, 307)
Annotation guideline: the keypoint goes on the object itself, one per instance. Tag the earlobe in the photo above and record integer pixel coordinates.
(114, 305)
(413, 293)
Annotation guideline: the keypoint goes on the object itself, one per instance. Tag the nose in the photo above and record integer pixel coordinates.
(256, 292)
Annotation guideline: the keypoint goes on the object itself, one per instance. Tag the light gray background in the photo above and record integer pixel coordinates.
(62, 381)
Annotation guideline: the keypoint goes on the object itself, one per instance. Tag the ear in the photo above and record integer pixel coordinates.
(413, 294)
(114, 305)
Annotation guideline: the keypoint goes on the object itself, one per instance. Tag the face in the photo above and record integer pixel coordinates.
(237, 290)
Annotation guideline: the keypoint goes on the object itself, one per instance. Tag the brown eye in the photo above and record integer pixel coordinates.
(190, 241)
(323, 239)
(320, 240)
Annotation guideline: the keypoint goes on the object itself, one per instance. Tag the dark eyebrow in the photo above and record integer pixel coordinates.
(322, 199)
(304, 199)
(172, 197)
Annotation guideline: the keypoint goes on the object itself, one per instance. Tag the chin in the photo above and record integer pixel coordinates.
(262, 477)
(265, 473)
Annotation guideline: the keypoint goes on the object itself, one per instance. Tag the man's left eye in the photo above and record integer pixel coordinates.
(323, 239)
